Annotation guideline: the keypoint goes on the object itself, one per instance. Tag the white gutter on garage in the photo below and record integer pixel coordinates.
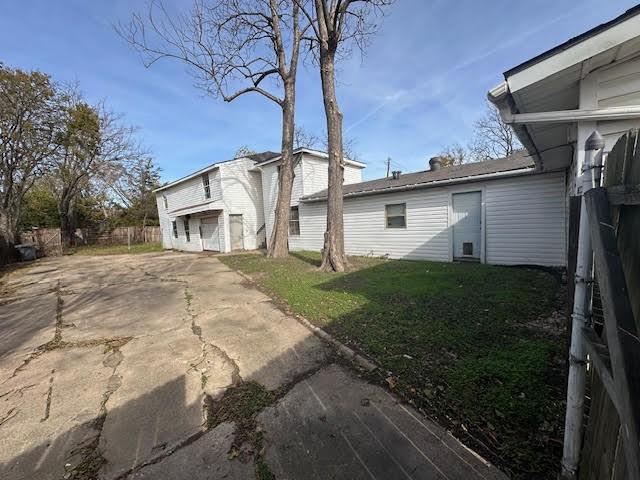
(500, 97)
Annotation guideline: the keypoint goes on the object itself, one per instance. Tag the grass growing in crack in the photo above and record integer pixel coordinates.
(263, 472)
(239, 404)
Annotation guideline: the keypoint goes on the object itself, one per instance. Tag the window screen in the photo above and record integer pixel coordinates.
(294, 221)
(396, 215)
(174, 225)
(165, 202)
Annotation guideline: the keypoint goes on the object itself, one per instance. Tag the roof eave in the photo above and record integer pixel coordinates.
(316, 153)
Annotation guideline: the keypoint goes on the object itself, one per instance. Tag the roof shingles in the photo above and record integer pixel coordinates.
(518, 161)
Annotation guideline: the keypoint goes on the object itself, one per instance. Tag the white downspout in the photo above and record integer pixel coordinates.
(590, 176)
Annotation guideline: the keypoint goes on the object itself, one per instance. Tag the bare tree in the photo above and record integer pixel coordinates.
(244, 151)
(338, 25)
(28, 124)
(235, 47)
(92, 142)
(305, 139)
(454, 154)
(492, 137)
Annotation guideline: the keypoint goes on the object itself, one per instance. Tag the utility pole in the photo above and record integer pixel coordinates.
(388, 162)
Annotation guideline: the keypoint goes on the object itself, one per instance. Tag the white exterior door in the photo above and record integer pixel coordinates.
(236, 232)
(210, 233)
(467, 225)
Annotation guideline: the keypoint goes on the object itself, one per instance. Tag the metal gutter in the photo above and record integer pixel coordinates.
(570, 116)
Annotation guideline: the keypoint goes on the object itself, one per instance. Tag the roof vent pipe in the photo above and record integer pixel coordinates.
(396, 174)
(435, 163)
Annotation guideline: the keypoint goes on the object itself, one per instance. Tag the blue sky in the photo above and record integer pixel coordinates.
(419, 87)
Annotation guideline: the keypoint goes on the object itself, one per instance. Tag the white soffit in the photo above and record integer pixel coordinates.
(576, 54)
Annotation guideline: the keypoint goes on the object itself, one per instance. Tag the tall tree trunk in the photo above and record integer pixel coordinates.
(279, 243)
(333, 257)
(8, 237)
(67, 227)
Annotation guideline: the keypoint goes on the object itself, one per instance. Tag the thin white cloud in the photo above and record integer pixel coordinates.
(439, 79)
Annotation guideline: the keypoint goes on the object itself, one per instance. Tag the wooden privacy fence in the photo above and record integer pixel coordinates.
(610, 448)
(49, 240)
(119, 236)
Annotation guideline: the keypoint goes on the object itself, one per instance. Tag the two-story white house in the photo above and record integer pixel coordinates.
(509, 211)
(230, 205)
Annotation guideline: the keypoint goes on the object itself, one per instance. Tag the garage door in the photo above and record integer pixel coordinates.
(210, 233)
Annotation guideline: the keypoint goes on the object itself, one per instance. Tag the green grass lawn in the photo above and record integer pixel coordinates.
(462, 342)
(117, 249)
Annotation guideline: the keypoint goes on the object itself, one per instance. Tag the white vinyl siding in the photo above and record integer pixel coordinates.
(316, 174)
(165, 224)
(270, 191)
(352, 174)
(242, 195)
(311, 176)
(525, 222)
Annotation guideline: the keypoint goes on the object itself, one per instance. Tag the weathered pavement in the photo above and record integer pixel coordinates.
(124, 366)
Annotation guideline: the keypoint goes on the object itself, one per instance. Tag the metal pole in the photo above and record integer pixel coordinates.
(590, 177)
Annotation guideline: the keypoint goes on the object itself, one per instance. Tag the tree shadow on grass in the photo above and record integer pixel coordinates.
(456, 341)
(313, 261)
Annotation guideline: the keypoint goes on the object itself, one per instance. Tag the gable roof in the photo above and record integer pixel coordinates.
(256, 157)
(263, 156)
(309, 151)
(518, 163)
(573, 41)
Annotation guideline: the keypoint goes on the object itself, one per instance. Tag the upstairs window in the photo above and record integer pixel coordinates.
(165, 202)
(174, 225)
(206, 186)
(186, 230)
(396, 215)
(294, 221)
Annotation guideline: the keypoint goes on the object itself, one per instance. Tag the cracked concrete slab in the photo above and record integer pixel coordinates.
(25, 324)
(50, 408)
(204, 459)
(112, 368)
(268, 346)
(123, 310)
(157, 405)
(334, 425)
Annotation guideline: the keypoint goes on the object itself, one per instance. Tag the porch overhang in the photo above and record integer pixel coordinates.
(200, 208)
(541, 98)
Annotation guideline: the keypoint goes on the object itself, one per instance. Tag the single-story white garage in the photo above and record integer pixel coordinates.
(500, 212)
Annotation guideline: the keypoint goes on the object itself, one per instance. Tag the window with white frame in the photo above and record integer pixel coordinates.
(186, 229)
(165, 202)
(396, 215)
(174, 225)
(205, 185)
(294, 221)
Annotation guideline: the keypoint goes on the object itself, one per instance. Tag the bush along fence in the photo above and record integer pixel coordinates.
(48, 241)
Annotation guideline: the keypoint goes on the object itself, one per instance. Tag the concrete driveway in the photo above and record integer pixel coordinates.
(153, 366)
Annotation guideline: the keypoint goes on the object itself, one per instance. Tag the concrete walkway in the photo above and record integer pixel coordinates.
(144, 367)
